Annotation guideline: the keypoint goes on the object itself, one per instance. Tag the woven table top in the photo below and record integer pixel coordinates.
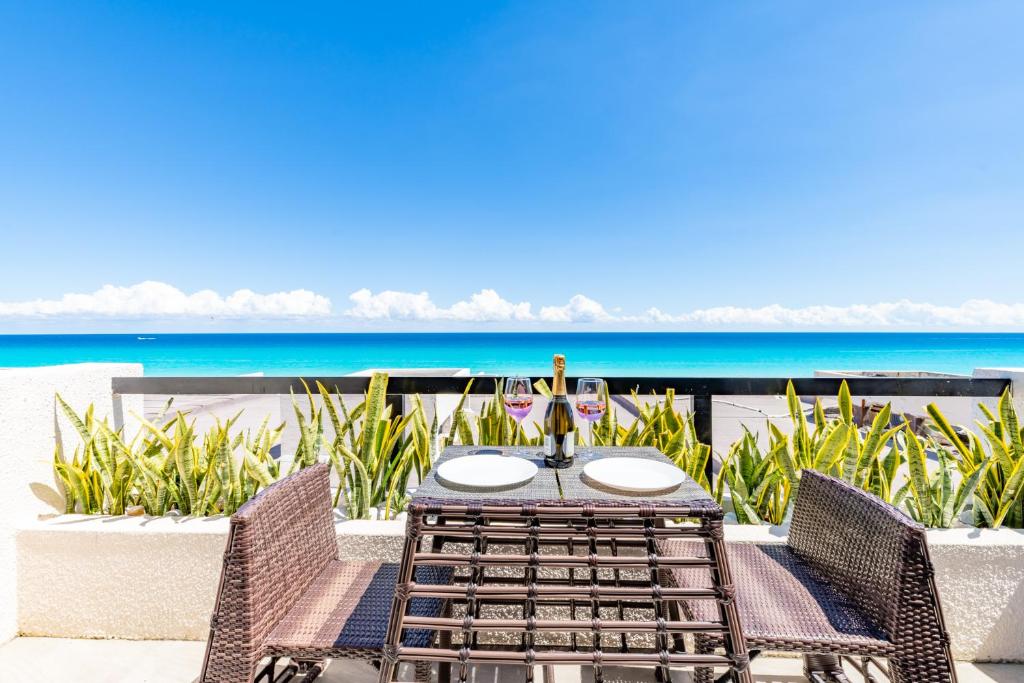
(564, 487)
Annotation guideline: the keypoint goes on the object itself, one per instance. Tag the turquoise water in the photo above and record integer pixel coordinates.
(602, 354)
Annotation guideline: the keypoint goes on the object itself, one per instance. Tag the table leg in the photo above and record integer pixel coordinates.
(393, 640)
(444, 669)
(735, 643)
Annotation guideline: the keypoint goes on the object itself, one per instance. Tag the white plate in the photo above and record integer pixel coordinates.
(486, 471)
(634, 474)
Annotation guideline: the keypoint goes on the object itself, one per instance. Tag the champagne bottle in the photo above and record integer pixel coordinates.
(559, 425)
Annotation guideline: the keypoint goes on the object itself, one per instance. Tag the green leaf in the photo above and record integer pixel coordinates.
(1011, 425)
(845, 403)
(780, 454)
(183, 459)
(256, 469)
(916, 462)
(946, 429)
(84, 432)
(966, 491)
(1011, 493)
(832, 449)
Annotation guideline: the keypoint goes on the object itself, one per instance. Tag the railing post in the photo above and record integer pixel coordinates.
(702, 427)
(397, 404)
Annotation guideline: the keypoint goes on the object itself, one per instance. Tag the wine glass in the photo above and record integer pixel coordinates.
(518, 403)
(590, 404)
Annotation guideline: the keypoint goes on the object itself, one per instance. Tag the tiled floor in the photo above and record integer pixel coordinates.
(117, 661)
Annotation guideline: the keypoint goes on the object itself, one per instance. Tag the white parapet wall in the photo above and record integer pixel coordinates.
(84, 576)
(980, 577)
(136, 578)
(31, 428)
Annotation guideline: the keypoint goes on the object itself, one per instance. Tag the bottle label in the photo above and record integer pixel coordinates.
(568, 444)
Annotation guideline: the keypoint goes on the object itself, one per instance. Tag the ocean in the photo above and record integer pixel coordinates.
(600, 354)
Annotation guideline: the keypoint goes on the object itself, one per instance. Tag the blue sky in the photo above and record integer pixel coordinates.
(672, 165)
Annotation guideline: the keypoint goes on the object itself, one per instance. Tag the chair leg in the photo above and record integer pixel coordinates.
(675, 613)
(904, 669)
(422, 672)
(824, 668)
(267, 672)
(313, 673)
(703, 674)
(444, 669)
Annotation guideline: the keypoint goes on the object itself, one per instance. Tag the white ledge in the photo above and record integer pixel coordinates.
(156, 577)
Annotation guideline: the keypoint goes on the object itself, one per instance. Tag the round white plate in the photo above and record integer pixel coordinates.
(486, 471)
(634, 474)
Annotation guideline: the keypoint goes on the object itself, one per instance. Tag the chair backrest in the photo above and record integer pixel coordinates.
(279, 541)
(875, 555)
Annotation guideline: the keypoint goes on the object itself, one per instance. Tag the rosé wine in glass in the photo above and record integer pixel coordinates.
(518, 399)
(590, 410)
(518, 407)
(591, 404)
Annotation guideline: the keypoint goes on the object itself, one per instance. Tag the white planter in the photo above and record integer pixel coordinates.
(980, 575)
(82, 576)
(138, 578)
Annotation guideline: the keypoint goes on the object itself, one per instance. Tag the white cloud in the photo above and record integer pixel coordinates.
(898, 314)
(488, 306)
(160, 300)
(484, 306)
(389, 305)
(580, 309)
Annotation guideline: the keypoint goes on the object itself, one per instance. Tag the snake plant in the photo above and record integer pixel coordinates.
(836, 446)
(762, 485)
(373, 452)
(999, 497)
(934, 498)
(169, 466)
(758, 487)
(492, 426)
(165, 467)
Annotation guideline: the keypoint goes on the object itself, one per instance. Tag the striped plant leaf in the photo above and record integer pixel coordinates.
(845, 403)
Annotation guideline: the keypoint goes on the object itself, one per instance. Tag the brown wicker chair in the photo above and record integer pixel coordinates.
(854, 580)
(284, 593)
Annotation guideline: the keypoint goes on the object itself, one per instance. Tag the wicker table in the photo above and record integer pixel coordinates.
(559, 571)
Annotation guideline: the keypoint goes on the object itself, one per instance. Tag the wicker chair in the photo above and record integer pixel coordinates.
(284, 593)
(855, 580)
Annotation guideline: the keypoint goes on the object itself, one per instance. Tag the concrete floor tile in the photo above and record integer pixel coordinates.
(122, 661)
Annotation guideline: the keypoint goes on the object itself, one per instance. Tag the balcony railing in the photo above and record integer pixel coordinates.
(701, 389)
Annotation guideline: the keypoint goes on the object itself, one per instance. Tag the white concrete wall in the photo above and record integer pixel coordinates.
(135, 578)
(980, 576)
(29, 425)
(142, 578)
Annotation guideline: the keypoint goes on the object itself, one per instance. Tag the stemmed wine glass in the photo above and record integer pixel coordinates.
(590, 404)
(518, 402)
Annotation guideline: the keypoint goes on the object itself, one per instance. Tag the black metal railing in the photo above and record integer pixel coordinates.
(702, 389)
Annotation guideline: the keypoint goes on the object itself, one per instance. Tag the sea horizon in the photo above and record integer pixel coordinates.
(698, 353)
